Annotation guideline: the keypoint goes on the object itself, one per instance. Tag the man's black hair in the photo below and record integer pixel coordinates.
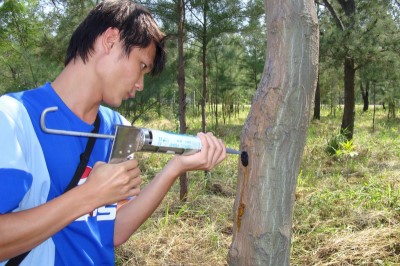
(135, 23)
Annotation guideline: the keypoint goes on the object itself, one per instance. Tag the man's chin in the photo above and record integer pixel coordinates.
(113, 104)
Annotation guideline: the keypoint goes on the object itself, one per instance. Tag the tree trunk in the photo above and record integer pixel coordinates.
(392, 109)
(365, 95)
(317, 102)
(182, 94)
(373, 116)
(349, 8)
(347, 127)
(274, 136)
(216, 93)
(204, 61)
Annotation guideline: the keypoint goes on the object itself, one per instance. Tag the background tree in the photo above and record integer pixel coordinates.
(359, 39)
(317, 102)
(207, 20)
(254, 42)
(181, 6)
(274, 136)
(347, 26)
(18, 45)
(226, 81)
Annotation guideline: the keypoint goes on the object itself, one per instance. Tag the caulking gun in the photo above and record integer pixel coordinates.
(129, 139)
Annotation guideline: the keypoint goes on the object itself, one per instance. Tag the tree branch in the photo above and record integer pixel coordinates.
(334, 15)
(195, 16)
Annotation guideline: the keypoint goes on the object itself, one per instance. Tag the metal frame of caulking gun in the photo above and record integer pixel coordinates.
(126, 141)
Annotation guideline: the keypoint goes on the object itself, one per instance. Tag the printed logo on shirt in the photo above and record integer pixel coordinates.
(105, 213)
(85, 175)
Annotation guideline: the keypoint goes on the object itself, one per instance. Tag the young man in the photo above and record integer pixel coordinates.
(108, 56)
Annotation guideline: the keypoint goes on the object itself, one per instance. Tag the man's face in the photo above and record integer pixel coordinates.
(123, 75)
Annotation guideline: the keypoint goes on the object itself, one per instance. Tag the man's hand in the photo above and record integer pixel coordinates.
(213, 152)
(114, 182)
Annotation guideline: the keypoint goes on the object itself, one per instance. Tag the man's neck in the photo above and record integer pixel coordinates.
(76, 86)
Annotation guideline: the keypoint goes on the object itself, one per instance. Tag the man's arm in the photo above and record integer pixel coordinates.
(135, 212)
(107, 183)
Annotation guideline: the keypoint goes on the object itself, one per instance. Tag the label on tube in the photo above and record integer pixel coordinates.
(164, 139)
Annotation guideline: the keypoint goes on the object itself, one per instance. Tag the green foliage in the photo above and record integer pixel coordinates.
(371, 37)
(340, 146)
(18, 44)
(35, 34)
(33, 39)
(216, 27)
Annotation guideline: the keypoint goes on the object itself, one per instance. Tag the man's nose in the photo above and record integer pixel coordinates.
(139, 84)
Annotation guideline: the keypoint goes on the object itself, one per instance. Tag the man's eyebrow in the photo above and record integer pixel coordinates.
(149, 67)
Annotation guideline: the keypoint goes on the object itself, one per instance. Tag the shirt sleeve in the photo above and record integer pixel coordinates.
(124, 121)
(15, 178)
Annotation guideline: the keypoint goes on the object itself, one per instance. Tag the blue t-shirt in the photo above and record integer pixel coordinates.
(36, 167)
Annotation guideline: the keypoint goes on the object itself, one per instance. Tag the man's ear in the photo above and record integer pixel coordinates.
(109, 38)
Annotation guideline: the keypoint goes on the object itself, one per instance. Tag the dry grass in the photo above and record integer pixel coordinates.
(195, 233)
(370, 246)
(347, 209)
(178, 244)
(367, 238)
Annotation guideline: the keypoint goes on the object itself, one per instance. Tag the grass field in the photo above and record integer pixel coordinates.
(347, 209)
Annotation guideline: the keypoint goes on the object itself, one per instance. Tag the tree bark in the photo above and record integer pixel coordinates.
(349, 8)
(365, 95)
(216, 92)
(373, 116)
(182, 94)
(204, 61)
(317, 102)
(347, 127)
(274, 136)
